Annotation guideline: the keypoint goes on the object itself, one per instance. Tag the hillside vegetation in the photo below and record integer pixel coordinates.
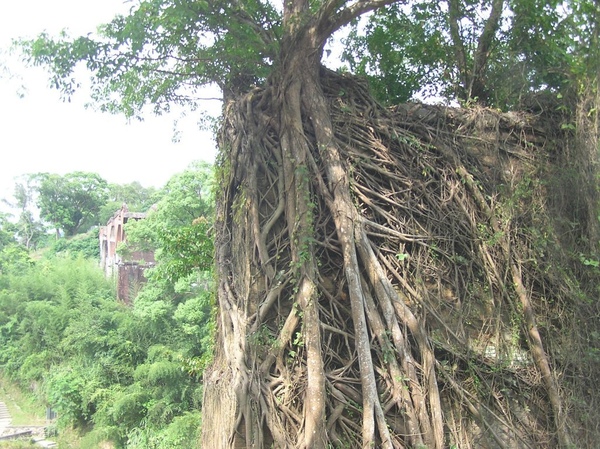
(120, 376)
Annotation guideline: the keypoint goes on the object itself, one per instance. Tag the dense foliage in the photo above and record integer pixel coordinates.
(178, 226)
(13, 255)
(70, 202)
(129, 375)
(500, 53)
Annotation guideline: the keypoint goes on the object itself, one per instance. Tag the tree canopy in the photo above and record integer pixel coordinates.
(70, 201)
(495, 52)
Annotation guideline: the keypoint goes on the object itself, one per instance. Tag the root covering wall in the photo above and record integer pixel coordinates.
(397, 278)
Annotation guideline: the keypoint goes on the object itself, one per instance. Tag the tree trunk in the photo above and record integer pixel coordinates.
(472, 86)
(355, 282)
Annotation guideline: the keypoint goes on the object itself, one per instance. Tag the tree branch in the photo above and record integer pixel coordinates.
(331, 23)
(485, 40)
(458, 45)
(245, 17)
(330, 7)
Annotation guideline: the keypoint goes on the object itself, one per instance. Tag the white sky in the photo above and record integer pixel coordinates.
(40, 133)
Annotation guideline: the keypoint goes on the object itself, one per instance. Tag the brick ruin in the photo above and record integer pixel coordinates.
(128, 270)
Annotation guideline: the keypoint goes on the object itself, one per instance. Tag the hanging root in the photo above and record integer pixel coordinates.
(381, 279)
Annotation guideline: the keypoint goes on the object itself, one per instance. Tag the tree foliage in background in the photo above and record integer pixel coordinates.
(30, 231)
(125, 375)
(497, 53)
(178, 227)
(76, 200)
(13, 255)
(71, 203)
(134, 195)
(7, 231)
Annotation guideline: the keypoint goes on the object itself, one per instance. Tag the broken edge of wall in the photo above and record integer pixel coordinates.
(130, 278)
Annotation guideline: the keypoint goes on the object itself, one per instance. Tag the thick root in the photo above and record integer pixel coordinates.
(369, 293)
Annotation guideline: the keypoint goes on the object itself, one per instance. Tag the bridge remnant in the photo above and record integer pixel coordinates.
(127, 268)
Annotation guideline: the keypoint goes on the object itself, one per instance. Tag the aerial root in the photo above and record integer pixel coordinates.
(392, 285)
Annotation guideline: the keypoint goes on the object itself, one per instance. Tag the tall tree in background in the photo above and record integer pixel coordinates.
(334, 225)
(72, 201)
(29, 229)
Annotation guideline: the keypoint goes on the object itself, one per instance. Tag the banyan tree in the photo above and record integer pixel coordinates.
(393, 276)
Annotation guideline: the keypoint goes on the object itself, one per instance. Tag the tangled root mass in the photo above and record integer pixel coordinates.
(469, 300)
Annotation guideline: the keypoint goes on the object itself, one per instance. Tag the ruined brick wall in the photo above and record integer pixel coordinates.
(130, 278)
(129, 272)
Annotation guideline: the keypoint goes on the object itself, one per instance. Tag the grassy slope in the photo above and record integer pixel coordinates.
(24, 410)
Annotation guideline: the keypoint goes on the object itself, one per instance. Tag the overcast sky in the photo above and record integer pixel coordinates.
(40, 133)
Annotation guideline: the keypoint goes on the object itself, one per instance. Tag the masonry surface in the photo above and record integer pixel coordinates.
(129, 270)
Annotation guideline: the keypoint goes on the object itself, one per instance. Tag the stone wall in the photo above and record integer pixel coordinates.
(129, 271)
